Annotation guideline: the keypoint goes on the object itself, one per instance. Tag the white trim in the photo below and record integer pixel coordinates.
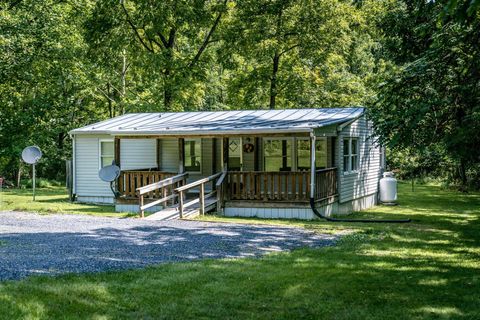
(349, 155)
(313, 166)
(74, 166)
(100, 150)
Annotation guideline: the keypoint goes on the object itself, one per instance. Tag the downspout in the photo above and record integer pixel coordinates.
(312, 193)
(74, 167)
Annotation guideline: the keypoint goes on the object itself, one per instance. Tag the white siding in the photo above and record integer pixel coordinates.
(87, 182)
(365, 181)
(169, 154)
(138, 154)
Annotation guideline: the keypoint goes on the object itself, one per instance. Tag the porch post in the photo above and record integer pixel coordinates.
(225, 154)
(181, 155)
(226, 187)
(312, 165)
(117, 151)
(119, 182)
(159, 159)
(214, 156)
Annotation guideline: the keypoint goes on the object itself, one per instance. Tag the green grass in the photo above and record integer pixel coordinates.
(429, 269)
(51, 200)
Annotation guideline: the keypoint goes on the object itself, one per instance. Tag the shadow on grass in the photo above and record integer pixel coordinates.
(428, 269)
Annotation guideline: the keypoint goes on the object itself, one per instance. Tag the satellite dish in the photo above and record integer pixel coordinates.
(31, 154)
(109, 173)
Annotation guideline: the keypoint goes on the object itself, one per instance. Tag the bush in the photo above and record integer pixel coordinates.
(41, 183)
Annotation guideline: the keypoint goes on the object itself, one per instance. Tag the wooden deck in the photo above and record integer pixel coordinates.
(171, 191)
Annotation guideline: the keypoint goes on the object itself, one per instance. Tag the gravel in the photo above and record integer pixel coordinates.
(33, 244)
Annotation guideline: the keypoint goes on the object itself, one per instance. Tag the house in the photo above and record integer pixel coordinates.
(264, 163)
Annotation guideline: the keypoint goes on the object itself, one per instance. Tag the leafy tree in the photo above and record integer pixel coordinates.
(175, 35)
(44, 89)
(298, 53)
(431, 100)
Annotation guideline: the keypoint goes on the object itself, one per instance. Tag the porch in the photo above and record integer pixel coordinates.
(213, 172)
(168, 195)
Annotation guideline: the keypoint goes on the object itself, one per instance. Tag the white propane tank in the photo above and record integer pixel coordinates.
(388, 188)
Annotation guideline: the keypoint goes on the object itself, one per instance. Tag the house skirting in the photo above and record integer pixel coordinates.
(95, 200)
(134, 208)
(301, 212)
(271, 213)
(260, 210)
(357, 204)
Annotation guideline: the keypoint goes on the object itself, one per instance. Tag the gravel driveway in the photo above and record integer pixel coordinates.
(54, 244)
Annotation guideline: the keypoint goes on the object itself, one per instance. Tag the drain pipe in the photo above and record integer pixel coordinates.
(312, 193)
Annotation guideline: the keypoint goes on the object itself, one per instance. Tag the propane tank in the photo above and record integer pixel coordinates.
(388, 189)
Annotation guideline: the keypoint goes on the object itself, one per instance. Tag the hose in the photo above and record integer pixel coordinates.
(318, 214)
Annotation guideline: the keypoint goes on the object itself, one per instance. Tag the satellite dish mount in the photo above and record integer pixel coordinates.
(110, 174)
(31, 155)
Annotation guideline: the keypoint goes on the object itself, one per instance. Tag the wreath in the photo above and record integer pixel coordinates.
(248, 147)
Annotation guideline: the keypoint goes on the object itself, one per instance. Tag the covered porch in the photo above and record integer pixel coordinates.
(214, 172)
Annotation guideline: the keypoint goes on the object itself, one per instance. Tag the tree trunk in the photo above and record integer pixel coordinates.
(167, 91)
(124, 82)
(273, 80)
(19, 173)
(111, 112)
(168, 74)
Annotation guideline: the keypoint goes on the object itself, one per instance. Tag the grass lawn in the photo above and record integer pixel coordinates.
(428, 269)
(51, 200)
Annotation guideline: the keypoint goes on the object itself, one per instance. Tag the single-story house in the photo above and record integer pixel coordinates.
(263, 163)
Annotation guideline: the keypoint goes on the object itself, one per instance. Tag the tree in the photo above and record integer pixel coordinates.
(44, 89)
(431, 100)
(297, 53)
(175, 35)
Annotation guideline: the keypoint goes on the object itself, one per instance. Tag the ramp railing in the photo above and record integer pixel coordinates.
(166, 188)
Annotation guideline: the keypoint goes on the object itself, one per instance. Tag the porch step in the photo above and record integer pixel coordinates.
(172, 213)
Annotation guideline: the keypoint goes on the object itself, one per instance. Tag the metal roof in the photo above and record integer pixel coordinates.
(222, 122)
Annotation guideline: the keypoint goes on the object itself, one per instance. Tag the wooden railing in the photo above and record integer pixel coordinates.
(325, 184)
(220, 186)
(130, 180)
(166, 188)
(202, 196)
(281, 186)
(269, 186)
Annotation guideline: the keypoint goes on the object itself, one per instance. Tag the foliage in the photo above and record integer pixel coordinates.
(431, 102)
(64, 64)
(427, 269)
(299, 54)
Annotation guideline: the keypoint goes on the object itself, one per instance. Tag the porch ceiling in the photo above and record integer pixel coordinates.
(218, 123)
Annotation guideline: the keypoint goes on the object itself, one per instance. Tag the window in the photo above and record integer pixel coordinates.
(354, 154)
(193, 152)
(107, 153)
(303, 154)
(350, 154)
(277, 154)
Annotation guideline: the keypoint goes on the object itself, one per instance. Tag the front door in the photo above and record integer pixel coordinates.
(235, 159)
